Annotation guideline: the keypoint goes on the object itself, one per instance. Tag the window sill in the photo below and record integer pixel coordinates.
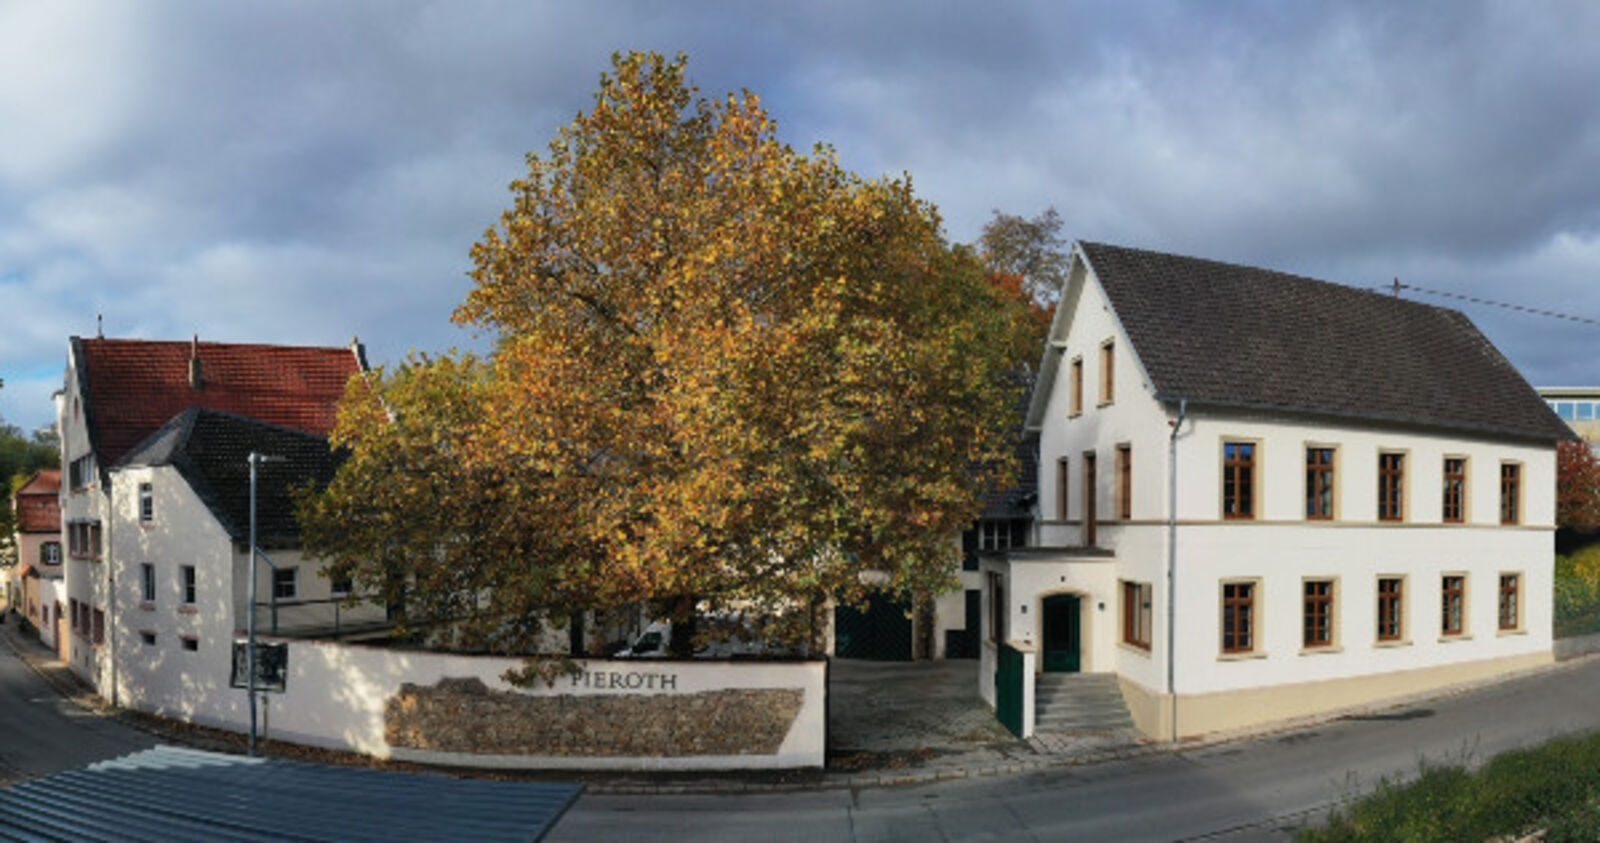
(1503, 633)
(1398, 642)
(147, 525)
(1075, 414)
(1241, 657)
(1134, 648)
(188, 609)
(147, 606)
(1450, 639)
(1325, 649)
(1104, 404)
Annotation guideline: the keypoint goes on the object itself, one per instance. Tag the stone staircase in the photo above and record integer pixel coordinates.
(1079, 702)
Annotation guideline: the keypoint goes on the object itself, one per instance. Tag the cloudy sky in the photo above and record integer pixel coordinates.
(294, 172)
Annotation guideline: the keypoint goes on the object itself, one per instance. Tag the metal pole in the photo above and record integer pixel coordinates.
(250, 621)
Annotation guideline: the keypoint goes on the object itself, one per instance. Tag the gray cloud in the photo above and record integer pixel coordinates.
(302, 172)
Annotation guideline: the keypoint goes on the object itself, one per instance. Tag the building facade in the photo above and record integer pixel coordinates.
(1263, 497)
(117, 393)
(36, 592)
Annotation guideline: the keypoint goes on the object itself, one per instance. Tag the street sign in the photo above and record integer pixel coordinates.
(272, 666)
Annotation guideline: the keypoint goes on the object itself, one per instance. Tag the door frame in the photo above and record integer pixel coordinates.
(1075, 622)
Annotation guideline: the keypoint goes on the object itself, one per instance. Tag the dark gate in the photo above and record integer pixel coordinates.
(963, 643)
(882, 633)
(1008, 688)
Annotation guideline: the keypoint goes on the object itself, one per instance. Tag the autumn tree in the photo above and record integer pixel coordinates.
(1577, 487)
(1029, 250)
(722, 370)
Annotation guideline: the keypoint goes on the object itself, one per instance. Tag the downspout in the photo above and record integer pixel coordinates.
(1172, 558)
(110, 560)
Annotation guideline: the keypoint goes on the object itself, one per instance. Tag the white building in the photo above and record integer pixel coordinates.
(181, 517)
(1351, 496)
(118, 392)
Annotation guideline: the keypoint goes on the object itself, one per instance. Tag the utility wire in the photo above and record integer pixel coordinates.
(1536, 311)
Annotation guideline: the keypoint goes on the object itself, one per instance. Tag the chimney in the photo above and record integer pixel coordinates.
(196, 379)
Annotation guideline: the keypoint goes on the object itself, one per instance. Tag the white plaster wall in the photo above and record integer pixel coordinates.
(164, 677)
(1134, 418)
(950, 610)
(85, 580)
(336, 694)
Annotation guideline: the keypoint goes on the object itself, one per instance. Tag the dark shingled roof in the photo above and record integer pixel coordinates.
(1236, 336)
(210, 449)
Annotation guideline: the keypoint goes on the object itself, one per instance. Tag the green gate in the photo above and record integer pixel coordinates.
(1008, 689)
(882, 633)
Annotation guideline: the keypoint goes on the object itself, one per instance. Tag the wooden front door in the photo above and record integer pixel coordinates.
(1089, 513)
(1062, 634)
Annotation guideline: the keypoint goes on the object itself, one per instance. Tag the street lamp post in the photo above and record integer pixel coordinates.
(255, 459)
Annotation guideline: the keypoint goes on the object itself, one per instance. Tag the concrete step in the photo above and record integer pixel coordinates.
(1079, 702)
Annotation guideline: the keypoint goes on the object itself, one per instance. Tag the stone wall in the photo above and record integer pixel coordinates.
(465, 716)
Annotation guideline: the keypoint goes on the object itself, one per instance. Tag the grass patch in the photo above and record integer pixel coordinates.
(1554, 788)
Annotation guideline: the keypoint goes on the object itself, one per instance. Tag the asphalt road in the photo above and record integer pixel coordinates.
(1246, 790)
(43, 733)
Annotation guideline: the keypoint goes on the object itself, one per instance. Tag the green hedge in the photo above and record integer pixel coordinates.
(1554, 788)
(1577, 597)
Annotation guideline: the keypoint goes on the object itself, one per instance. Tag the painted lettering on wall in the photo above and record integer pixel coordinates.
(630, 680)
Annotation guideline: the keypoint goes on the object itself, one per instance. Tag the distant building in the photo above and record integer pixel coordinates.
(1578, 406)
(37, 592)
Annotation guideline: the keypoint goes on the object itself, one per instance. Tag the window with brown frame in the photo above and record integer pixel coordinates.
(1063, 478)
(1453, 593)
(1238, 480)
(1391, 487)
(1510, 492)
(1319, 484)
(1510, 588)
(1318, 613)
(1125, 482)
(1108, 389)
(1238, 617)
(1136, 614)
(1391, 608)
(1077, 386)
(1455, 489)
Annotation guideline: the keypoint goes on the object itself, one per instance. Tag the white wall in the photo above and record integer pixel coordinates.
(85, 579)
(336, 694)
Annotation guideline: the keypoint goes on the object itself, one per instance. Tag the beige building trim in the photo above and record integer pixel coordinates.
(1200, 715)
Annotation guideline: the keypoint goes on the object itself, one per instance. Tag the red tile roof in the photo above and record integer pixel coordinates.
(133, 387)
(38, 503)
(46, 481)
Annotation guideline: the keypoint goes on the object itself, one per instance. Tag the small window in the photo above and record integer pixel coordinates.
(1108, 383)
(1391, 608)
(147, 504)
(1136, 614)
(1391, 487)
(992, 535)
(286, 581)
(997, 608)
(1585, 411)
(148, 637)
(1063, 477)
(1125, 482)
(147, 582)
(94, 539)
(1455, 490)
(1319, 484)
(341, 585)
(188, 585)
(1453, 594)
(1318, 613)
(1238, 617)
(99, 626)
(1077, 386)
(1510, 602)
(1566, 411)
(1238, 480)
(1510, 493)
(50, 553)
(190, 643)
